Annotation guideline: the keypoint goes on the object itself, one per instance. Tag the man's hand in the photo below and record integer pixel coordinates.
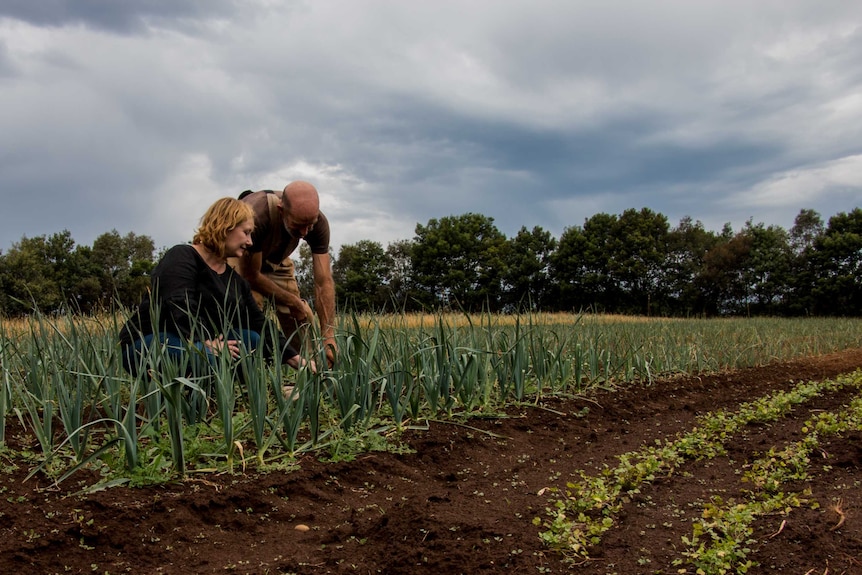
(331, 351)
(306, 310)
(298, 310)
(324, 303)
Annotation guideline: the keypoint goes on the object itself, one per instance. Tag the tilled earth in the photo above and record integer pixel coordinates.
(462, 500)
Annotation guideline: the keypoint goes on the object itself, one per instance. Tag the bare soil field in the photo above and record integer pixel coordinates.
(461, 499)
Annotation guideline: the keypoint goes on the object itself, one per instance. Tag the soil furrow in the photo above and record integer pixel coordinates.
(463, 502)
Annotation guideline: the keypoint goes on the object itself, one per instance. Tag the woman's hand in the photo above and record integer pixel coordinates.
(216, 345)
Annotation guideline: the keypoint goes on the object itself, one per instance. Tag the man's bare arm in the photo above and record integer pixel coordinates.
(249, 267)
(324, 299)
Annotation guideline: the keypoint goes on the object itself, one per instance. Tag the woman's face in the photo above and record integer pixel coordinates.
(238, 239)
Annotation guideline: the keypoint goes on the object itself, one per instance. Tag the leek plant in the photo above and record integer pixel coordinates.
(467, 378)
(471, 372)
(260, 378)
(548, 360)
(427, 375)
(171, 386)
(445, 341)
(6, 366)
(398, 381)
(510, 361)
(353, 381)
(74, 391)
(292, 411)
(122, 413)
(111, 391)
(398, 387)
(311, 395)
(72, 400)
(35, 389)
(254, 377)
(222, 379)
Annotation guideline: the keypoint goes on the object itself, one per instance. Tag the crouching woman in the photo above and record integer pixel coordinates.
(198, 307)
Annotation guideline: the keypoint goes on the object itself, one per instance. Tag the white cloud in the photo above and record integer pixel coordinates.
(837, 178)
(172, 210)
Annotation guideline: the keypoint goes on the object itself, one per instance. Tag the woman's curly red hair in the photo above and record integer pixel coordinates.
(221, 217)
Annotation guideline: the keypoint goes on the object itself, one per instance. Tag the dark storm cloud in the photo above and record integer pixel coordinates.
(608, 157)
(83, 186)
(114, 15)
(541, 113)
(514, 171)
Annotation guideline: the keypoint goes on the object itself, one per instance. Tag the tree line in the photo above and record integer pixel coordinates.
(631, 263)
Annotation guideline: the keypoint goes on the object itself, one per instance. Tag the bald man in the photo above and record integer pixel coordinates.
(281, 220)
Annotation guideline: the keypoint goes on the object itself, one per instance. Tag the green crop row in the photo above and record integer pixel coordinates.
(719, 543)
(62, 379)
(588, 508)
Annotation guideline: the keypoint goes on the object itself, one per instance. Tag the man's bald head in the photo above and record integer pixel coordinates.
(300, 208)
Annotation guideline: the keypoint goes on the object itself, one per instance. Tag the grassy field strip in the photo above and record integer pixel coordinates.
(587, 510)
(719, 543)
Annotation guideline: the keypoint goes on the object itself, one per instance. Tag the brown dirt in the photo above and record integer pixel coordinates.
(463, 502)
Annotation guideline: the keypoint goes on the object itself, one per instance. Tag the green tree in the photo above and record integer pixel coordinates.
(837, 264)
(361, 274)
(807, 229)
(49, 272)
(804, 235)
(569, 271)
(721, 280)
(748, 273)
(28, 278)
(637, 255)
(601, 289)
(613, 264)
(402, 289)
(688, 245)
(304, 269)
(458, 262)
(767, 269)
(527, 275)
(124, 264)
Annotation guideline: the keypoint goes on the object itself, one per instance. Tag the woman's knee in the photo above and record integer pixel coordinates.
(250, 339)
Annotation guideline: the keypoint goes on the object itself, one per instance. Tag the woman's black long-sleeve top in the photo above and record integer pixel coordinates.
(195, 302)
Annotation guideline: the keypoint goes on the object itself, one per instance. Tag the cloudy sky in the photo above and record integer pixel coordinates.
(136, 115)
